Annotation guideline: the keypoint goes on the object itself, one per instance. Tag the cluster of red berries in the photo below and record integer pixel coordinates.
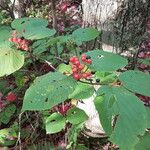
(21, 43)
(79, 70)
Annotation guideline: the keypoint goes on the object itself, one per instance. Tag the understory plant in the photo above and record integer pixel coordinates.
(74, 73)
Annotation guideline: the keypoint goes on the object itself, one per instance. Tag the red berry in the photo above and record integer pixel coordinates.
(14, 40)
(88, 74)
(19, 40)
(76, 76)
(83, 55)
(84, 75)
(73, 66)
(80, 67)
(83, 59)
(26, 48)
(77, 63)
(73, 59)
(89, 61)
(23, 42)
(11, 97)
(74, 70)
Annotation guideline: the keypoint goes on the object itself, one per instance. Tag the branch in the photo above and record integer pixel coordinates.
(54, 14)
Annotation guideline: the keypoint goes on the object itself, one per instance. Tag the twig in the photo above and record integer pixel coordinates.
(50, 64)
(19, 131)
(91, 83)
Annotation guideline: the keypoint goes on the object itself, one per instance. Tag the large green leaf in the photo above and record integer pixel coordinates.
(131, 116)
(105, 114)
(85, 34)
(35, 33)
(55, 123)
(24, 23)
(33, 28)
(76, 116)
(48, 90)
(136, 81)
(10, 59)
(5, 33)
(82, 91)
(106, 61)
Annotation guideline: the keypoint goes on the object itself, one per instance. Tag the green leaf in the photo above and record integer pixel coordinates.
(106, 77)
(5, 136)
(143, 143)
(76, 116)
(11, 60)
(33, 28)
(106, 61)
(5, 33)
(55, 123)
(64, 68)
(24, 23)
(145, 61)
(85, 34)
(131, 116)
(48, 91)
(7, 113)
(39, 46)
(82, 91)
(35, 33)
(105, 115)
(148, 116)
(136, 81)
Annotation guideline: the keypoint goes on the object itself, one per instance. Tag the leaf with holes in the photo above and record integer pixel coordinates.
(33, 28)
(55, 123)
(76, 116)
(106, 61)
(24, 23)
(132, 117)
(35, 33)
(136, 81)
(48, 91)
(11, 60)
(85, 34)
(82, 91)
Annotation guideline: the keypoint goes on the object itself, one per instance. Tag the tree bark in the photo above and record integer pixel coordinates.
(122, 21)
(18, 7)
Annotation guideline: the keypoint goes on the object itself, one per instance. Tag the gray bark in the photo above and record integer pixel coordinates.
(121, 21)
(19, 8)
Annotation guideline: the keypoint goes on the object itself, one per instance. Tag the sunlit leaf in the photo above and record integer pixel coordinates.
(136, 81)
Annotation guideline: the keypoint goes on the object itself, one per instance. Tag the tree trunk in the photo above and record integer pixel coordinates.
(122, 21)
(18, 8)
